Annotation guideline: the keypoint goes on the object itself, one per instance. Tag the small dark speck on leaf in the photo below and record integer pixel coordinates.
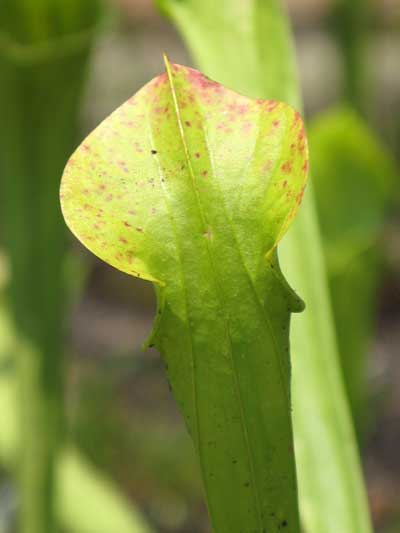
(208, 234)
(153, 152)
(247, 484)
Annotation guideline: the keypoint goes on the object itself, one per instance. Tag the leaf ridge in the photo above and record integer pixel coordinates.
(196, 436)
(226, 319)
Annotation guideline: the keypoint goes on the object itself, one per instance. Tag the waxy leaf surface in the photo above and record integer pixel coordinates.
(191, 186)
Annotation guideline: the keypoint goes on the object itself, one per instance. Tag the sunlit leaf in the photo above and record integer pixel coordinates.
(191, 186)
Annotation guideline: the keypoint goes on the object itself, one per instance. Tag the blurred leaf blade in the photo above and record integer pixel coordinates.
(258, 33)
(42, 65)
(354, 172)
(354, 177)
(86, 500)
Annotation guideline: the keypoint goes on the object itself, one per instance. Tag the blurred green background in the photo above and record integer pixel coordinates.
(119, 413)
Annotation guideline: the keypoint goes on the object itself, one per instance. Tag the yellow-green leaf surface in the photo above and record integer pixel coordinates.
(191, 186)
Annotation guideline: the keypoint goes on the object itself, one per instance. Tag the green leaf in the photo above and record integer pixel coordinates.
(354, 176)
(247, 45)
(191, 186)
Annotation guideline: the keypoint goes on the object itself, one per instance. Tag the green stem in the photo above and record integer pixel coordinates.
(39, 101)
(41, 425)
(228, 377)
